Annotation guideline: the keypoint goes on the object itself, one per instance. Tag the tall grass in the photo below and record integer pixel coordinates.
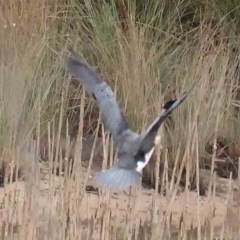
(149, 52)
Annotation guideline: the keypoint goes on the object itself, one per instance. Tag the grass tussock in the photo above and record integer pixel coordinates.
(51, 139)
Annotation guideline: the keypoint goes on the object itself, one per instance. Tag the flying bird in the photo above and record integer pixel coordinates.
(134, 150)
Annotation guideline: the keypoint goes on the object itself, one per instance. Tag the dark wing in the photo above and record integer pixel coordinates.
(147, 142)
(111, 114)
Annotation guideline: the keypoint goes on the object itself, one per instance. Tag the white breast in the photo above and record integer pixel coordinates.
(141, 165)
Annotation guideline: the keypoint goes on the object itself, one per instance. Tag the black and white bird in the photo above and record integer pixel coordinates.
(134, 150)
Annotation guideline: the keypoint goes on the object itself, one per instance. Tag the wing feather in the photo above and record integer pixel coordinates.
(148, 139)
(111, 114)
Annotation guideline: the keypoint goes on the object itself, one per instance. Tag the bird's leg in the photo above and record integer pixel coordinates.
(157, 140)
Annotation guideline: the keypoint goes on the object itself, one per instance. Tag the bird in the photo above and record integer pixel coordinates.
(134, 150)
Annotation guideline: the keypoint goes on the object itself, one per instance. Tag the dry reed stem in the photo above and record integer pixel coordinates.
(145, 59)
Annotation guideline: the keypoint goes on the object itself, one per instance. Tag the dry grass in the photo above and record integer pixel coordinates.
(149, 54)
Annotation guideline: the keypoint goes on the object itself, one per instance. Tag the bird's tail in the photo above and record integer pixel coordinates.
(117, 178)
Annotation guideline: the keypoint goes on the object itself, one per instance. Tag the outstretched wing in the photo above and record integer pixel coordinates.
(148, 139)
(111, 114)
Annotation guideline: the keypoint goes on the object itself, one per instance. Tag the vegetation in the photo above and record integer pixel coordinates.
(149, 52)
